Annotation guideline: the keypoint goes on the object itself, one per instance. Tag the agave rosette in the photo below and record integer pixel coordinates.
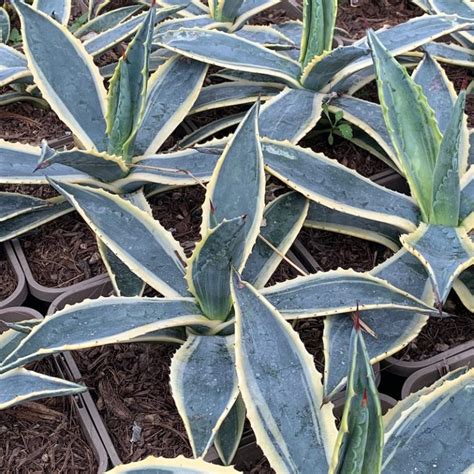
(297, 81)
(405, 439)
(118, 132)
(429, 230)
(232, 329)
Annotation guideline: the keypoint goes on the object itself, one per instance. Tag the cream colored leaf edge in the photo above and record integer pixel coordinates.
(464, 141)
(417, 306)
(272, 263)
(326, 422)
(39, 222)
(231, 65)
(414, 405)
(178, 363)
(465, 295)
(171, 247)
(353, 231)
(178, 465)
(125, 336)
(409, 242)
(359, 123)
(51, 97)
(401, 223)
(357, 66)
(313, 118)
(207, 131)
(181, 112)
(242, 19)
(254, 230)
(250, 99)
(64, 387)
(66, 10)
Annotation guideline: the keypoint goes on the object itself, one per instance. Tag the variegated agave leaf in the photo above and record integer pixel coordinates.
(22, 223)
(103, 321)
(333, 185)
(414, 425)
(66, 76)
(319, 21)
(124, 281)
(464, 287)
(359, 445)
(271, 361)
(394, 328)
(444, 251)
(282, 221)
(178, 465)
(204, 385)
(336, 292)
(462, 8)
(4, 25)
(228, 437)
(232, 216)
(59, 10)
(224, 10)
(411, 124)
(233, 52)
(102, 166)
(13, 65)
(159, 262)
(127, 92)
(14, 204)
(446, 199)
(21, 385)
(106, 21)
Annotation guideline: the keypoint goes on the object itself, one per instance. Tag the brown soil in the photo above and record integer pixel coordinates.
(373, 14)
(345, 153)
(332, 251)
(25, 123)
(131, 385)
(180, 212)
(41, 191)
(44, 437)
(439, 335)
(8, 281)
(63, 252)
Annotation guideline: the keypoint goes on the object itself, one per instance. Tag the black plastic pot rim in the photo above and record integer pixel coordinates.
(21, 291)
(17, 314)
(430, 374)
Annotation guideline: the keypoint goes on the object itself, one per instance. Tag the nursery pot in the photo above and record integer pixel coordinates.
(21, 291)
(17, 314)
(430, 374)
(93, 288)
(42, 292)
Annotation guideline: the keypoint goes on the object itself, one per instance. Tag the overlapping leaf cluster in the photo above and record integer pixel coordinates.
(239, 356)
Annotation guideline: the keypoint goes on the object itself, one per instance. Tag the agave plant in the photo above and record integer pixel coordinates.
(406, 439)
(428, 230)
(462, 8)
(117, 131)
(308, 77)
(220, 289)
(100, 33)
